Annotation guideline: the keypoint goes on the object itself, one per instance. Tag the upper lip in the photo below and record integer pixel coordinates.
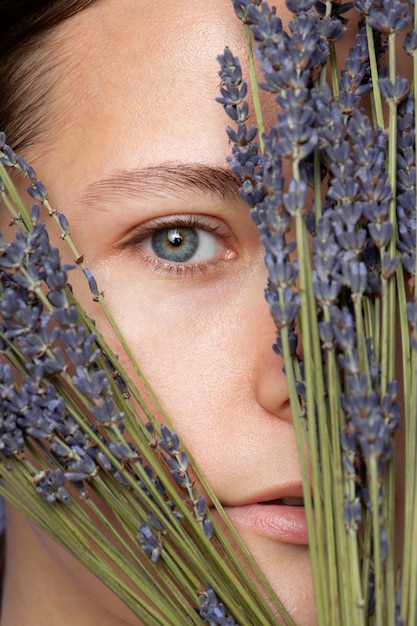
(294, 490)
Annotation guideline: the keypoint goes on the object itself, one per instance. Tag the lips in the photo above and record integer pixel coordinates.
(282, 518)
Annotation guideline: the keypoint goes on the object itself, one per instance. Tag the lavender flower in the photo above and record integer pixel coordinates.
(373, 420)
(327, 280)
(406, 185)
(213, 611)
(245, 151)
(352, 511)
(11, 436)
(151, 544)
(178, 463)
(390, 16)
(355, 79)
(396, 91)
(50, 485)
(246, 10)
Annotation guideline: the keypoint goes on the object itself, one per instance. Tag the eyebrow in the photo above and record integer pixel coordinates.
(162, 180)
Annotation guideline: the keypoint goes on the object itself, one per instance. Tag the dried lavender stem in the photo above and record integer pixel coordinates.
(346, 539)
(305, 321)
(361, 339)
(376, 94)
(22, 213)
(374, 487)
(409, 569)
(9, 205)
(321, 461)
(300, 436)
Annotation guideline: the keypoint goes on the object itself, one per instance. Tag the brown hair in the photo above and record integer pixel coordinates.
(27, 62)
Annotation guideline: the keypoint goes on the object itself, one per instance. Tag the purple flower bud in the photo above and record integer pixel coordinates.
(7, 156)
(38, 191)
(26, 169)
(170, 442)
(355, 276)
(49, 485)
(396, 92)
(389, 16)
(213, 611)
(149, 542)
(63, 222)
(91, 282)
(410, 42)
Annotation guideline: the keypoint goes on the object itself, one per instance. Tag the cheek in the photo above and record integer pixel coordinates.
(188, 343)
(183, 331)
(196, 345)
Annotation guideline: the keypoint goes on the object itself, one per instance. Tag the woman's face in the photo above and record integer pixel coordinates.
(139, 146)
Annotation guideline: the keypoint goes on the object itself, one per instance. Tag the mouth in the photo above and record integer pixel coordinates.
(286, 501)
(281, 519)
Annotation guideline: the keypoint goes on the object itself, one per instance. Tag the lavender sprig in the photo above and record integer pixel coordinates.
(346, 298)
(65, 431)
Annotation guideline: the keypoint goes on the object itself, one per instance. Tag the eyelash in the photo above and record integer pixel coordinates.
(166, 267)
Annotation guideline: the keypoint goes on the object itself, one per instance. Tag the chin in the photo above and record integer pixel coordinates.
(288, 570)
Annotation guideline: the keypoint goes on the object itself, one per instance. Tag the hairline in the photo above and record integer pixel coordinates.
(33, 69)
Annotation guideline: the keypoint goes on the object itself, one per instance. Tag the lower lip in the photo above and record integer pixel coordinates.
(280, 522)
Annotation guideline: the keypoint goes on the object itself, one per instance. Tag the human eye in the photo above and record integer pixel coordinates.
(181, 244)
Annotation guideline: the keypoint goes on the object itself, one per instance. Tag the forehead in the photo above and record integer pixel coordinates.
(138, 83)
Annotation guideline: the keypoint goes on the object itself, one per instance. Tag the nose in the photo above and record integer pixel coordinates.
(271, 386)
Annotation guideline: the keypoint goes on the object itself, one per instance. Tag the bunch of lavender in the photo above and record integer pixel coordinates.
(91, 458)
(332, 190)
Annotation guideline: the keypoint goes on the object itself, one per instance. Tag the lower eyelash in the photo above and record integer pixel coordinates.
(177, 269)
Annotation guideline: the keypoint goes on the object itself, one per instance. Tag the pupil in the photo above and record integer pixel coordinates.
(175, 238)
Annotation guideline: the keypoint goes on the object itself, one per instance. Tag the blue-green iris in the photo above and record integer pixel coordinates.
(177, 245)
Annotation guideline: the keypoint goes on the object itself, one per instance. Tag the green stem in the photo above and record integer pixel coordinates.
(21, 215)
(300, 436)
(361, 337)
(376, 94)
(349, 584)
(334, 71)
(325, 604)
(376, 528)
(409, 561)
(389, 511)
(318, 208)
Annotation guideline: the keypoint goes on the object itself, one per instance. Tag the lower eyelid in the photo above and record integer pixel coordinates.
(179, 270)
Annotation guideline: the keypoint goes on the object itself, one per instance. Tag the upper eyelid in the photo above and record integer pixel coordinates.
(142, 231)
